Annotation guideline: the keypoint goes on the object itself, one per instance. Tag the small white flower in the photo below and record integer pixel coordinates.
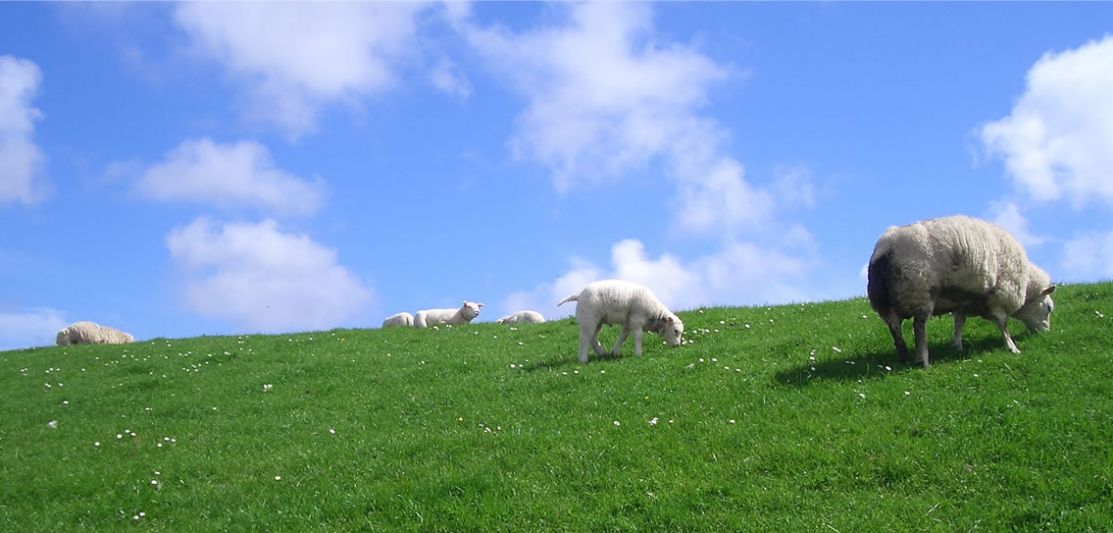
(836, 349)
(154, 482)
(119, 436)
(653, 421)
(908, 393)
(53, 424)
(617, 423)
(96, 444)
(278, 478)
(862, 395)
(332, 431)
(731, 421)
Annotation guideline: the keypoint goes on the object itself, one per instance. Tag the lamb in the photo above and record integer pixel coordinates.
(622, 302)
(403, 319)
(523, 317)
(431, 317)
(958, 265)
(92, 333)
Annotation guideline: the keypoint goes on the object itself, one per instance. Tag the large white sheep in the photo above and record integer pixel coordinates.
(92, 333)
(628, 304)
(958, 265)
(523, 317)
(403, 320)
(431, 317)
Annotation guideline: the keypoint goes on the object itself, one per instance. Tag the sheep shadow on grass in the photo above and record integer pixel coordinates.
(878, 363)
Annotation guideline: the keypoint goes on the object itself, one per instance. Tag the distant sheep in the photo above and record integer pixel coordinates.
(403, 319)
(92, 333)
(523, 317)
(629, 304)
(431, 317)
(957, 265)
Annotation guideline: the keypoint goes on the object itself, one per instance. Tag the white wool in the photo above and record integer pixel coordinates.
(956, 264)
(625, 303)
(523, 317)
(431, 317)
(92, 333)
(402, 319)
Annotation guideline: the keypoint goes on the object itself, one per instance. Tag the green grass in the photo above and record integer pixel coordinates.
(486, 428)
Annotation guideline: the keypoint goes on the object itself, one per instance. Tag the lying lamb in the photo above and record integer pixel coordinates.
(403, 319)
(622, 302)
(92, 333)
(431, 317)
(523, 317)
(955, 264)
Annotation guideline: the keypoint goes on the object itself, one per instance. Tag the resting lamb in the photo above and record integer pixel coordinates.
(523, 317)
(626, 303)
(92, 333)
(403, 319)
(959, 265)
(431, 317)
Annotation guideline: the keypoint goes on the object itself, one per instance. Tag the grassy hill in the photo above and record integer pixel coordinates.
(788, 418)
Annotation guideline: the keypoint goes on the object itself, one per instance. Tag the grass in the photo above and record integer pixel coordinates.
(788, 418)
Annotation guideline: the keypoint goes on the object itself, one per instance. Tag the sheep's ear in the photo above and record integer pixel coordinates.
(1049, 290)
(479, 305)
(669, 320)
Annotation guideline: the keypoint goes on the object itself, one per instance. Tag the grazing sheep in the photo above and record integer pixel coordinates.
(403, 319)
(957, 265)
(92, 333)
(523, 317)
(622, 302)
(431, 317)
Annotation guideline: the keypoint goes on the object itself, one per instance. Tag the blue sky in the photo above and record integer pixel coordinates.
(198, 169)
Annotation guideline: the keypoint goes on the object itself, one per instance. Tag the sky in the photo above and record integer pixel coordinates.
(186, 169)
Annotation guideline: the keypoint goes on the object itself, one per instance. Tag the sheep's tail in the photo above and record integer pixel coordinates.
(570, 298)
(880, 281)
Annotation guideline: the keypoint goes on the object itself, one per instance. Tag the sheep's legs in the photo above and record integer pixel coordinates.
(919, 328)
(960, 320)
(621, 339)
(898, 337)
(638, 342)
(1002, 321)
(588, 338)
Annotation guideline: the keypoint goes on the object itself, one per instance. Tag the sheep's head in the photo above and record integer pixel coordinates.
(470, 310)
(1036, 313)
(672, 329)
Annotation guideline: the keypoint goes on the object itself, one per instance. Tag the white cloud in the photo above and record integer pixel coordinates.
(741, 273)
(605, 100)
(298, 57)
(1088, 257)
(35, 327)
(259, 277)
(228, 176)
(1058, 141)
(1008, 215)
(22, 162)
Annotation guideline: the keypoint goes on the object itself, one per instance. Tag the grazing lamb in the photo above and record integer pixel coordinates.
(957, 265)
(523, 317)
(92, 333)
(403, 320)
(431, 317)
(622, 302)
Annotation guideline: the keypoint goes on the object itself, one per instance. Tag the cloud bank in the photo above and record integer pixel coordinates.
(22, 163)
(264, 279)
(36, 327)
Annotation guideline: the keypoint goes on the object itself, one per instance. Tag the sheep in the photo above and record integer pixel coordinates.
(958, 265)
(622, 302)
(523, 317)
(92, 333)
(402, 319)
(431, 317)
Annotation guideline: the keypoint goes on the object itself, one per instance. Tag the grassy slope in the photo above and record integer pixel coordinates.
(482, 427)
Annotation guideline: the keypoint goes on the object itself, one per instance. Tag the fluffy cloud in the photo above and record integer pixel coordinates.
(21, 161)
(36, 327)
(605, 100)
(262, 278)
(228, 176)
(1088, 257)
(740, 273)
(298, 57)
(1058, 141)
